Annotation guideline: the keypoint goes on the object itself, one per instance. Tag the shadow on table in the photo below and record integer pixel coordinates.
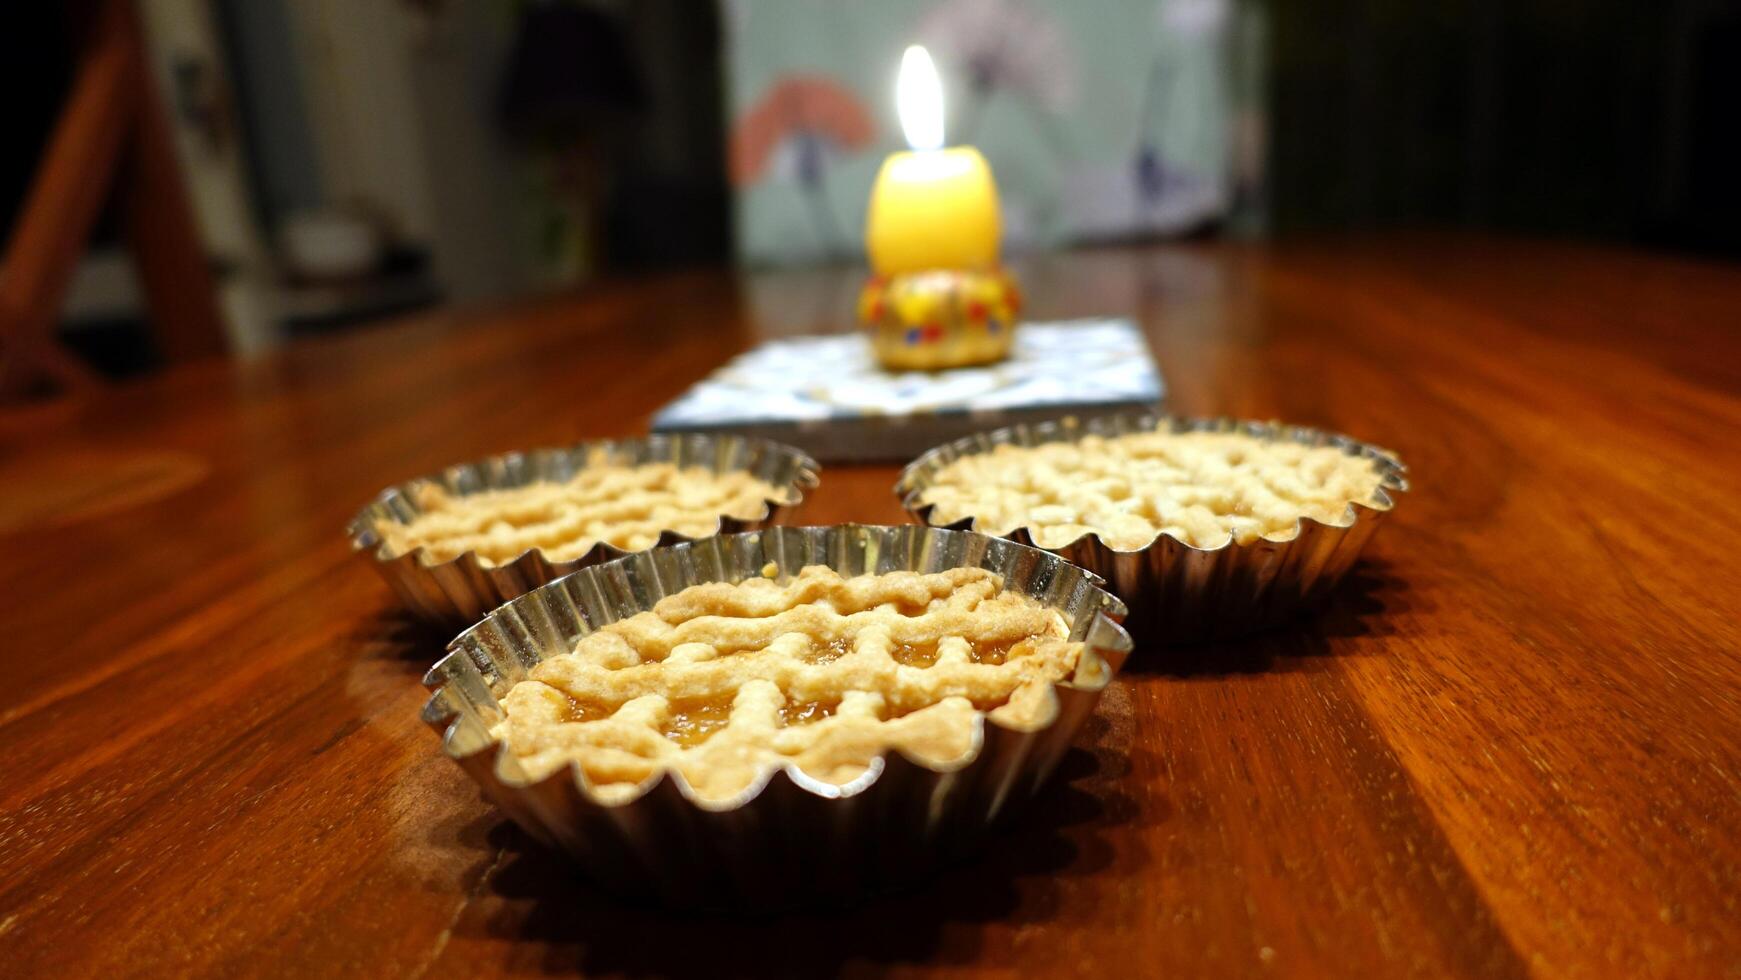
(397, 636)
(1020, 876)
(1362, 606)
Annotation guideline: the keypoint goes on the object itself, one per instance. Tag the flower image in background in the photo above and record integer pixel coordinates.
(1008, 47)
(1107, 121)
(1193, 25)
(791, 133)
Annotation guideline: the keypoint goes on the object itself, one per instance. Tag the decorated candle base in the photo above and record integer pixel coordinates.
(943, 318)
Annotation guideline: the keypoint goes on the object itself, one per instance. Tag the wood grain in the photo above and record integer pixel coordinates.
(1509, 748)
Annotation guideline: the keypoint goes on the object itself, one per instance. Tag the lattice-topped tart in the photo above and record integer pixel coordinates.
(723, 682)
(1206, 527)
(459, 543)
(781, 716)
(1199, 487)
(1196, 486)
(627, 507)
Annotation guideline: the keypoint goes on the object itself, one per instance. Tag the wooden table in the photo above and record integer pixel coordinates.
(1512, 745)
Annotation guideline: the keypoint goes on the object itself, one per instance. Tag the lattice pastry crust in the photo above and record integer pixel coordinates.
(625, 506)
(1199, 487)
(723, 682)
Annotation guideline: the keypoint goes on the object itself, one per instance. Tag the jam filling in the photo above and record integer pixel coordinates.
(587, 710)
(805, 712)
(692, 720)
(828, 652)
(924, 653)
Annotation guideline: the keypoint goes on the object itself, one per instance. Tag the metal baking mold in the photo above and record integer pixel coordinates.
(789, 836)
(1179, 593)
(463, 589)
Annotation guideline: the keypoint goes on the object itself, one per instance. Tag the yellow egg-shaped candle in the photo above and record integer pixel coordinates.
(933, 209)
(930, 208)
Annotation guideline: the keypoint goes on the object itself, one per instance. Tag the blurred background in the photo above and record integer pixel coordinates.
(200, 176)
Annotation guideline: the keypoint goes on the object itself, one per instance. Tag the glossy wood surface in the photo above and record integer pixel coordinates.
(1510, 747)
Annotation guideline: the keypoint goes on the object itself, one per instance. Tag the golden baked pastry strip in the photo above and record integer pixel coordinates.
(624, 506)
(1201, 487)
(723, 683)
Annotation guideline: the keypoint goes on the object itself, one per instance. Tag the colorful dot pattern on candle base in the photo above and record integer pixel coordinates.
(940, 319)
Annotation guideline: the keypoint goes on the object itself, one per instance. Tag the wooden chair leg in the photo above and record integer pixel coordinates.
(111, 135)
(28, 361)
(72, 180)
(180, 291)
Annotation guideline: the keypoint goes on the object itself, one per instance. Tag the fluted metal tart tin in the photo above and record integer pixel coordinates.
(788, 837)
(461, 590)
(1178, 593)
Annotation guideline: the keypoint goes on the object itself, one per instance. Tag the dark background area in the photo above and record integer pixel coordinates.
(1610, 121)
(1602, 120)
(1606, 120)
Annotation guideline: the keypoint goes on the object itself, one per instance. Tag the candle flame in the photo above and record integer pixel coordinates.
(919, 99)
